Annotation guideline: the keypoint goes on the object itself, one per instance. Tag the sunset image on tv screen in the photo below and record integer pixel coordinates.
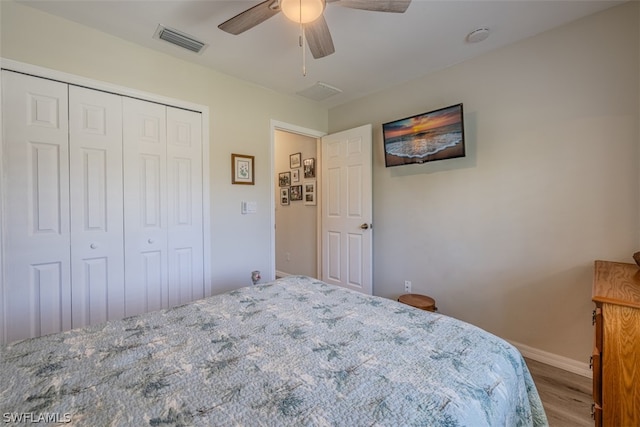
(426, 137)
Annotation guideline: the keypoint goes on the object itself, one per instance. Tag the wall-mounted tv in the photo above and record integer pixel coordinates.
(425, 137)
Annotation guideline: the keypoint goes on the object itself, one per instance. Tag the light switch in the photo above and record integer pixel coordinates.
(249, 207)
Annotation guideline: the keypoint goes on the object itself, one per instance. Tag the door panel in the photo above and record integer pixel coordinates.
(333, 192)
(151, 288)
(347, 209)
(97, 243)
(333, 258)
(37, 297)
(185, 221)
(145, 206)
(355, 248)
(91, 291)
(47, 290)
(354, 192)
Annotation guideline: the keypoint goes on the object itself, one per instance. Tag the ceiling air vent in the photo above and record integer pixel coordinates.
(319, 91)
(179, 38)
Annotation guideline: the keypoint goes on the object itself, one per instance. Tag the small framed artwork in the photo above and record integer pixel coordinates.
(296, 192)
(294, 160)
(295, 175)
(309, 193)
(309, 168)
(284, 179)
(242, 169)
(284, 196)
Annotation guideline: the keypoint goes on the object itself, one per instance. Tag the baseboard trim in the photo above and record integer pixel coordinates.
(555, 360)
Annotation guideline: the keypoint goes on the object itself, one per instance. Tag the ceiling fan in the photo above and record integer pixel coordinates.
(309, 14)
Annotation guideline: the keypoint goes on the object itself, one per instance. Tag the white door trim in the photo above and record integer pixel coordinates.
(47, 73)
(287, 127)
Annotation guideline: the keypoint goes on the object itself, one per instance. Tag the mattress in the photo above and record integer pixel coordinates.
(295, 351)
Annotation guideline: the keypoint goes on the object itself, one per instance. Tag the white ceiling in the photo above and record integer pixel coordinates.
(374, 50)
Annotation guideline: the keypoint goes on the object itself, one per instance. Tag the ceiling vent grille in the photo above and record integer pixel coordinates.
(319, 91)
(179, 38)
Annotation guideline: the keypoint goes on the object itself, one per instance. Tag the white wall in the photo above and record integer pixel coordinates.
(240, 120)
(296, 223)
(506, 237)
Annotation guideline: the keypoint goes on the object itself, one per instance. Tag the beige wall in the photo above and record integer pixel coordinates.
(240, 120)
(506, 237)
(296, 224)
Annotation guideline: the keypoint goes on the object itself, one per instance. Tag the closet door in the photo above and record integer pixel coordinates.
(37, 289)
(97, 243)
(184, 176)
(145, 206)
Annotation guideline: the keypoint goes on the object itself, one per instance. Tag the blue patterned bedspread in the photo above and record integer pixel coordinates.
(291, 352)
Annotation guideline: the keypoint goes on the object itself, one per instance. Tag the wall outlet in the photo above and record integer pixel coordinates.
(407, 286)
(288, 256)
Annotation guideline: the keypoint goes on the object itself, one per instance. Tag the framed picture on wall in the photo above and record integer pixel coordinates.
(309, 192)
(242, 169)
(309, 168)
(295, 175)
(296, 192)
(294, 160)
(284, 196)
(284, 179)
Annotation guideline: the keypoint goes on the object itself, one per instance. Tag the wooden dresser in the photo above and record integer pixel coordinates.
(616, 353)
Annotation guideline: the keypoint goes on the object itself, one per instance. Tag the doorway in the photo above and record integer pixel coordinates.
(342, 194)
(296, 210)
(295, 243)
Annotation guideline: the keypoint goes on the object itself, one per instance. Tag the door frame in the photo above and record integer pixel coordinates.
(51, 74)
(276, 125)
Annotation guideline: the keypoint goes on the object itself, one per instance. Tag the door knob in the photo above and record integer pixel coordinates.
(93, 246)
(364, 226)
(150, 241)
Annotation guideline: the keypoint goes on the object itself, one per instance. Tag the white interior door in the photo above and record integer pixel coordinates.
(145, 206)
(347, 209)
(185, 221)
(37, 297)
(97, 247)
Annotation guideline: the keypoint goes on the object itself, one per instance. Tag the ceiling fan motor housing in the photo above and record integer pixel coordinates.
(302, 11)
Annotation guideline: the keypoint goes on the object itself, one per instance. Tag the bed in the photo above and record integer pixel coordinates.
(295, 351)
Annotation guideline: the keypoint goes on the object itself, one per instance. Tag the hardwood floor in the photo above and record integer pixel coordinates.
(566, 397)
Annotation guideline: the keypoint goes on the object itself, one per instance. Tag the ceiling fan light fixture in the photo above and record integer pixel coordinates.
(302, 11)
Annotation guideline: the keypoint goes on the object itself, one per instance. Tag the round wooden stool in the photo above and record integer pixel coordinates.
(422, 302)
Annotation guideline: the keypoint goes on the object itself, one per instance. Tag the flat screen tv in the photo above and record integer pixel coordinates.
(436, 135)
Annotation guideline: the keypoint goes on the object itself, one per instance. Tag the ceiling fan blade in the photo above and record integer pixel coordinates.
(397, 6)
(251, 17)
(319, 38)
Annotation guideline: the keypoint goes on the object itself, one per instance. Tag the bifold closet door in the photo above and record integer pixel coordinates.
(97, 243)
(163, 206)
(184, 176)
(37, 290)
(145, 206)
(102, 199)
